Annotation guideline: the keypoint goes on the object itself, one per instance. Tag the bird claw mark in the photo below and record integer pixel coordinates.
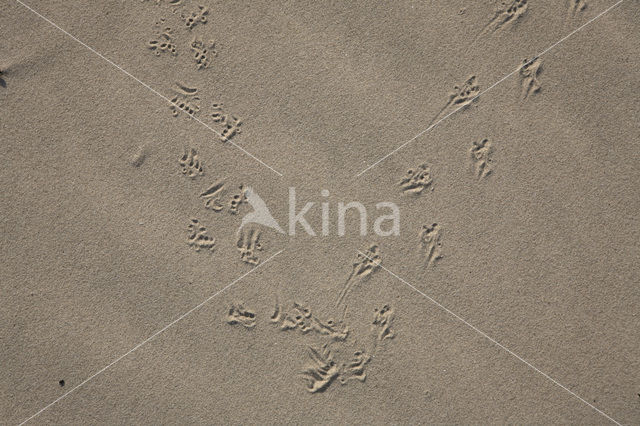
(212, 197)
(231, 128)
(431, 244)
(198, 238)
(184, 89)
(237, 200)
(218, 114)
(203, 52)
(480, 153)
(417, 180)
(182, 103)
(460, 98)
(185, 99)
(529, 71)
(382, 321)
(507, 15)
(354, 369)
(190, 163)
(196, 17)
(248, 243)
(163, 40)
(230, 123)
(368, 262)
(238, 314)
(465, 94)
(364, 266)
(574, 7)
(214, 204)
(301, 318)
(322, 371)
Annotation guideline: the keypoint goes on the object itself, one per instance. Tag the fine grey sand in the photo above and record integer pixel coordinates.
(138, 136)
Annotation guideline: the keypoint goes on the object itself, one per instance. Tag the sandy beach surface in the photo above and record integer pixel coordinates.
(152, 154)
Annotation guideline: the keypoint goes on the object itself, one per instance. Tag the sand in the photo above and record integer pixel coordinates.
(135, 133)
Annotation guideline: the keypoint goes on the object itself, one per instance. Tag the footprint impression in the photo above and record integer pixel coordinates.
(324, 365)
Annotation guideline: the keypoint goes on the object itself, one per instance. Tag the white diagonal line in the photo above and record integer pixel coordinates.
(492, 340)
(148, 339)
(146, 86)
(489, 88)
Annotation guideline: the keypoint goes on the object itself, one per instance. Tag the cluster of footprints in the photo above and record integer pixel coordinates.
(179, 31)
(186, 99)
(414, 183)
(323, 366)
(202, 50)
(165, 42)
(218, 199)
(512, 11)
(419, 180)
(463, 95)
